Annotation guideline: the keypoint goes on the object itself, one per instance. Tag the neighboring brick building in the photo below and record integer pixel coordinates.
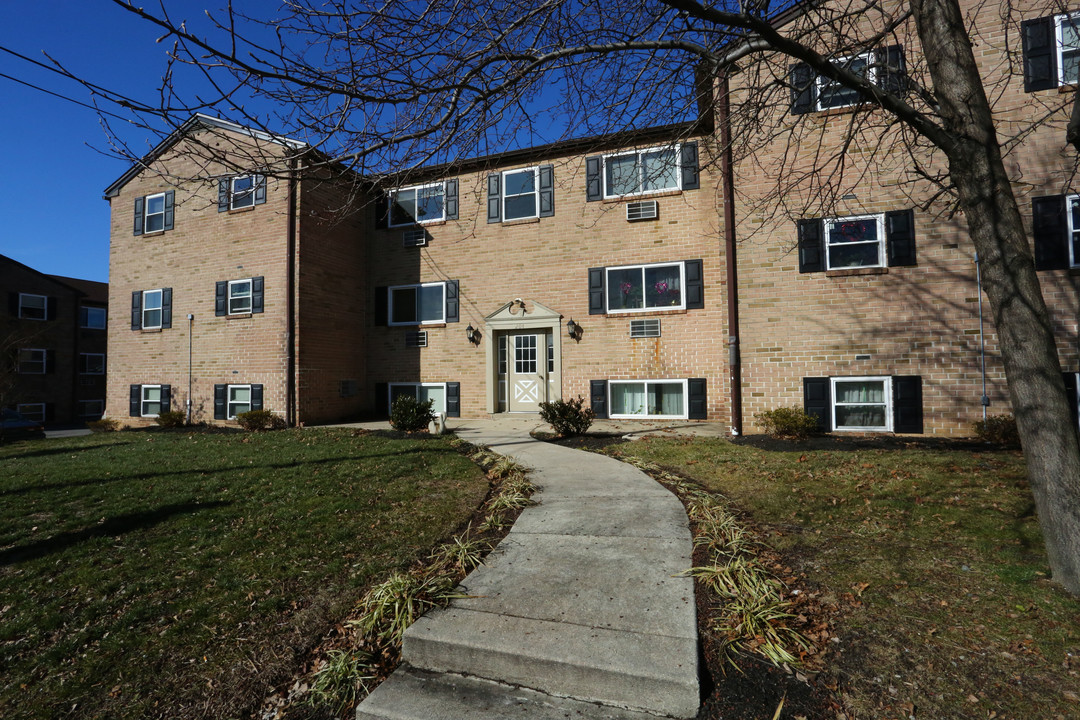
(459, 284)
(53, 338)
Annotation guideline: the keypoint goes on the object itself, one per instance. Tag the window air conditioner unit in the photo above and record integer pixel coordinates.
(644, 328)
(416, 339)
(414, 238)
(642, 210)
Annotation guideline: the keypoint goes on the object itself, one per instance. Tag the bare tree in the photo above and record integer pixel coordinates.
(398, 85)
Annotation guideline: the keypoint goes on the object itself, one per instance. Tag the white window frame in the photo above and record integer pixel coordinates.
(886, 381)
(44, 361)
(84, 317)
(1059, 44)
(434, 408)
(645, 308)
(246, 197)
(676, 148)
(878, 218)
(44, 306)
(229, 403)
(100, 404)
(160, 308)
(647, 415)
(392, 195)
(1074, 232)
(143, 400)
(390, 304)
(38, 414)
(230, 297)
(147, 214)
(83, 357)
(823, 82)
(535, 171)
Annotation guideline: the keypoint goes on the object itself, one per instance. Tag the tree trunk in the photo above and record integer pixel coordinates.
(1051, 447)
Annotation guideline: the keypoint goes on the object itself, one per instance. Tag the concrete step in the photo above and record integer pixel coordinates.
(646, 672)
(413, 694)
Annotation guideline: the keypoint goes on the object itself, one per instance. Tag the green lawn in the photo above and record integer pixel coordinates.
(929, 558)
(184, 574)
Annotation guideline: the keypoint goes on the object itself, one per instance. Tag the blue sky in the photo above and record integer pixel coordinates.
(52, 215)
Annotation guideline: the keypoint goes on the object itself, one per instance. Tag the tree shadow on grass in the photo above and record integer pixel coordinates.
(111, 527)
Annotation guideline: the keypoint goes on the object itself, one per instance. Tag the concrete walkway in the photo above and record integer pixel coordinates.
(577, 612)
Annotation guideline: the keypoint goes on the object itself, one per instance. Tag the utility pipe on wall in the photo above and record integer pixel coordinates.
(727, 174)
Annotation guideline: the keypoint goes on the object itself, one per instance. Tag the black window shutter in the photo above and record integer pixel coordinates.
(13, 303)
(50, 362)
(50, 308)
(891, 72)
(1040, 53)
(803, 89)
(453, 304)
(140, 203)
(900, 237)
(382, 400)
(382, 310)
(596, 291)
(260, 189)
(494, 198)
(451, 199)
(907, 404)
(695, 285)
(817, 401)
(697, 400)
(1070, 395)
(221, 411)
(598, 396)
(170, 200)
(136, 310)
(135, 401)
(547, 190)
(811, 246)
(166, 308)
(221, 298)
(453, 399)
(223, 194)
(166, 398)
(688, 162)
(594, 178)
(256, 397)
(256, 294)
(1050, 227)
(382, 211)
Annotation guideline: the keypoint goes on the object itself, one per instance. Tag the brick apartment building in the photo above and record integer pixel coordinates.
(53, 335)
(599, 268)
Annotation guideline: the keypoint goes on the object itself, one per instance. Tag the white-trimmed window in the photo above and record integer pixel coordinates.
(33, 307)
(637, 172)
(862, 404)
(418, 204)
(417, 304)
(91, 409)
(154, 213)
(91, 363)
(239, 296)
(1067, 36)
(151, 309)
(831, 94)
(633, 288)
(92, 318)
(151, 401)
(32, 411)
(855, 242)
(242, 191)
(647, 398)
(521, 193)
(32, 361)
(422, 392)
(239, 399)
(1073, 219)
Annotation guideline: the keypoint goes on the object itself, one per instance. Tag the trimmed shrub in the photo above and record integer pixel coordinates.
(410, 415)
(256, 420)
(998, 430)
(171, 419)
(789, 422)
(104, 425)
(568, 417)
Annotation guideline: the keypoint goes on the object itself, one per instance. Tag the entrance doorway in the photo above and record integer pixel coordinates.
(524, 357)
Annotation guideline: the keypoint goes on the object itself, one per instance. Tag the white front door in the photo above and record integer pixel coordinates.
(526, 376)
